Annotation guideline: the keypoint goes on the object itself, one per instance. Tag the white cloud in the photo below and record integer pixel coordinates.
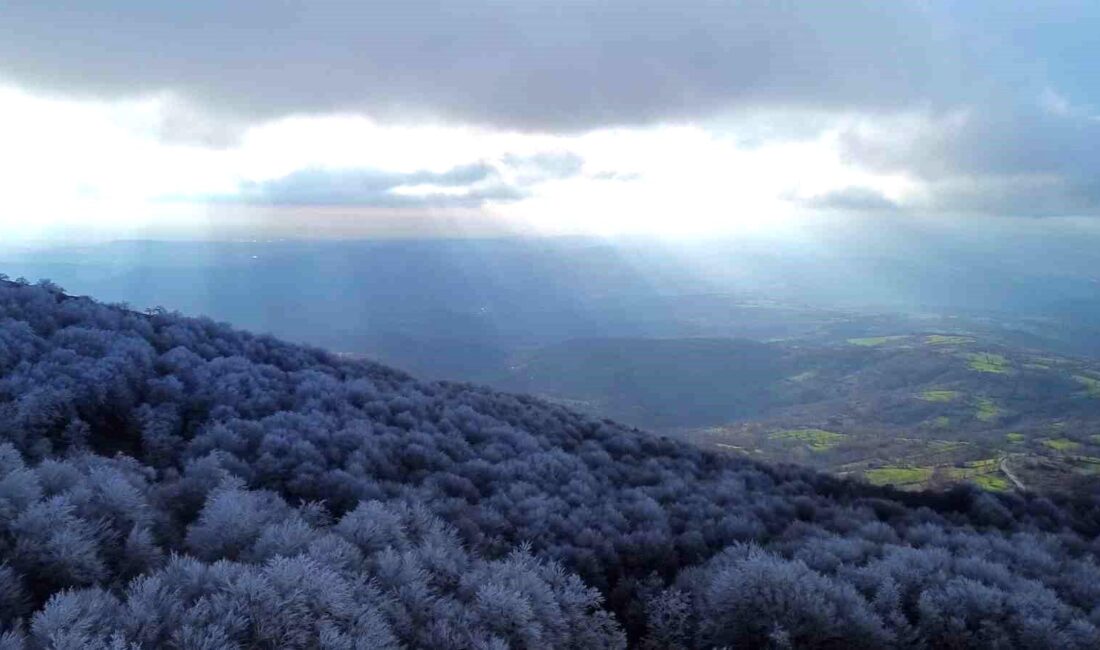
(79, 167)
(694, 116)
(95, 168)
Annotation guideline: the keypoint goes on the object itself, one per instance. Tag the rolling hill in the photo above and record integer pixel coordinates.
(172, 482)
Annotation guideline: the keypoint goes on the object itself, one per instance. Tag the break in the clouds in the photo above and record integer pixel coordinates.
(608, 115)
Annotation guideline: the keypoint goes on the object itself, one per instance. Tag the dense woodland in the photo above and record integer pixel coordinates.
(172, 482)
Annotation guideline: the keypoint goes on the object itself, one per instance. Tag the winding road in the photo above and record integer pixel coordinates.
(1012, 477)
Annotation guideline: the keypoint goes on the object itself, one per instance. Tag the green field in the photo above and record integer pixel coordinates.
(991, 482)
(988, 362)
(985, 473)
(1092, 385)
(816, 439)
(872, 341)
(899, 476)
(1062, 444)
(987, 410)
(942, 339)
(939, 395)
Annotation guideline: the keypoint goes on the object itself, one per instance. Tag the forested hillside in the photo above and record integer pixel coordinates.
(172, 482)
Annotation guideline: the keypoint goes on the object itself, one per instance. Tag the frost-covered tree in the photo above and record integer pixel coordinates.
(172, 482)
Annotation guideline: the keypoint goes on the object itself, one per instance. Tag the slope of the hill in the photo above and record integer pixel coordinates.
(656, 383)
(171, 482)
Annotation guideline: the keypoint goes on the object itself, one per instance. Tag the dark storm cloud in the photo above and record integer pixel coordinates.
(532, 65)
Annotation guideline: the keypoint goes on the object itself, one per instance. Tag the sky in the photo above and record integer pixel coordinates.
(333, 118)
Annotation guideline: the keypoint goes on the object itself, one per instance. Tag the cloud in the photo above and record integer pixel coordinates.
(1017, 159)
(178, 121)
(543, 166)
(988, 106)
(1018, 195)
(852, 199)
(533, 65)
(468, 185)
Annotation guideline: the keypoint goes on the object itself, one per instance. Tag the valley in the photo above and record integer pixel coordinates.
(909, 385)
(914, 411)
(926, 411)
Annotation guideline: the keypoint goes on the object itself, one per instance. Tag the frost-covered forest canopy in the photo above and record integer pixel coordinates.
(172, 482)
